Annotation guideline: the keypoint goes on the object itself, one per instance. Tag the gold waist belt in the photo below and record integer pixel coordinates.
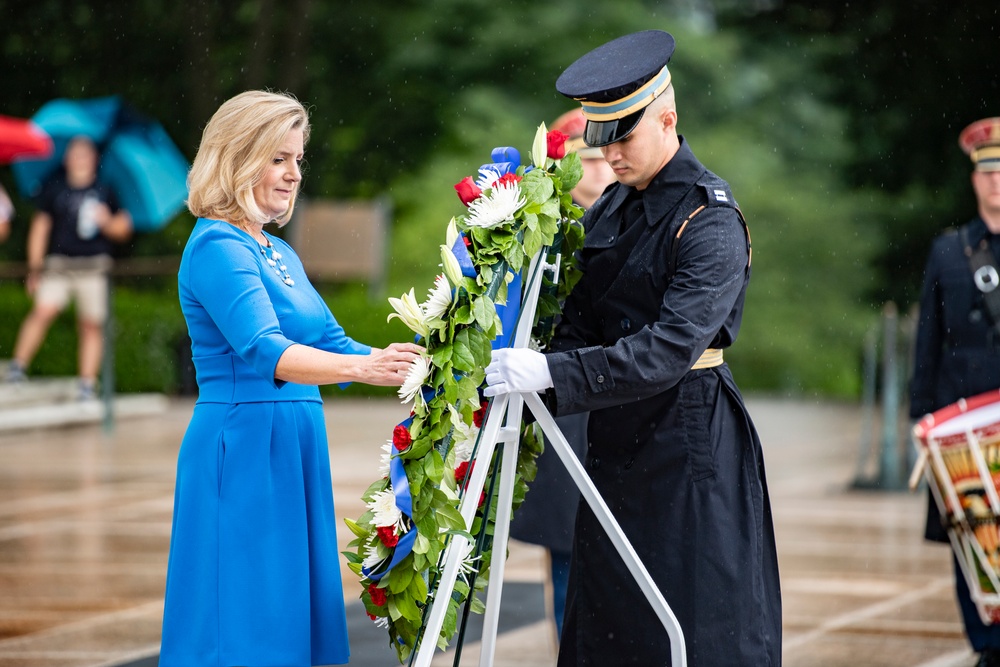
(709, 359)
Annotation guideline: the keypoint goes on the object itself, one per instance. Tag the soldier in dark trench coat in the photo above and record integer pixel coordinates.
(671, 448)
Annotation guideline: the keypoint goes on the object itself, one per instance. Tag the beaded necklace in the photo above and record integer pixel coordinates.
(274, 261)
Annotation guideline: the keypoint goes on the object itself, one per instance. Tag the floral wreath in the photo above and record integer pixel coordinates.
(513, 212)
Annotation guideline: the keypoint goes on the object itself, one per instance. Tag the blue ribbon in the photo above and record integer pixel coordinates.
(404, 502)
(508, 313)
(461, 252)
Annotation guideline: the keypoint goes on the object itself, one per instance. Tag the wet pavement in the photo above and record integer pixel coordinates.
(85, 526)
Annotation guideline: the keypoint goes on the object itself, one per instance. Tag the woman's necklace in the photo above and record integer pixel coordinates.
(274, 261)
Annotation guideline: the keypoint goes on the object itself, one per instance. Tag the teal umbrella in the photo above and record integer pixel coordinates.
(138, 158)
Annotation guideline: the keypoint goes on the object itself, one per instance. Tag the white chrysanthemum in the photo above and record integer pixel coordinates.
(383, 506)
(468, 567)
(438, 299)
(488, 175)
(420, 369)
(496, 207)
(464, 438)
(383, 464)
(374, 558)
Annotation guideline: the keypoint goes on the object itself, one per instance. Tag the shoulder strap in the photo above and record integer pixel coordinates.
(676, 241)
(983, 265)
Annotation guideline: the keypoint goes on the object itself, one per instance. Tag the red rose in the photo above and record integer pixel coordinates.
(388, 535)
(372, 616)
(401, 438)
(506, 179)
(378, 596)
(467, 190)
(556, 144)
(478, 415)
(462, 470)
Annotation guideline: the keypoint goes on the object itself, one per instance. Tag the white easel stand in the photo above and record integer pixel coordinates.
(508, 408)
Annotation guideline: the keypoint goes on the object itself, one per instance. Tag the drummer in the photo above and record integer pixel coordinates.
(958, 335)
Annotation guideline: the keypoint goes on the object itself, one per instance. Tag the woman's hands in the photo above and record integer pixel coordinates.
(383, 367)
(389, 367)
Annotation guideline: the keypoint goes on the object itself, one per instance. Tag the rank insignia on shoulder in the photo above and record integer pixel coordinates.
(720, 195)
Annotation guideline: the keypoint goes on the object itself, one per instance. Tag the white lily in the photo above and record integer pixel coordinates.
(409, 311)
(451, 233)
(540, 147)
(420, 369)
(438, 298)
(452, 269)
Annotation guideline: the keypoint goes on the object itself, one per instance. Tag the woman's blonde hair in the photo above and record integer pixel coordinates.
(237, 146)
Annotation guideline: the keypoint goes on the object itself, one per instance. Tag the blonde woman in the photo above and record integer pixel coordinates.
(253, 576)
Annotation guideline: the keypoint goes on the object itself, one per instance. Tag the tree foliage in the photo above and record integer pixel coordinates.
(908, 77)
(792, 105)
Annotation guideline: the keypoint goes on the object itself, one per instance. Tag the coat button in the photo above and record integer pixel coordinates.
(600, 379)
(595, 463)
(626, 325)
(628, 464)
(611, 239)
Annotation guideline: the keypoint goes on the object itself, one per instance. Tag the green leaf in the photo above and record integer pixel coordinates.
(441, 355)
(463, 356)
(400, 576)
(484, 310)
(451, 518)
(421, 545)
(434, 467)
(570, 171)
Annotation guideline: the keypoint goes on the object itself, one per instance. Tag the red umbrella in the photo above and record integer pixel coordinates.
(22, 139)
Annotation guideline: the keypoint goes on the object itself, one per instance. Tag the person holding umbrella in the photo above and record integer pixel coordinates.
(253, 576)
(69, 257)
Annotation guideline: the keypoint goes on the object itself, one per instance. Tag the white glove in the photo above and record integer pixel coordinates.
(517, 370)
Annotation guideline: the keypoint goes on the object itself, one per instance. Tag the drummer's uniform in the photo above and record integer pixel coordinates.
(671, 448)
(957, 356)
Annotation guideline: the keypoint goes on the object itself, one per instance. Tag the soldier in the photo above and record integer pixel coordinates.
(672, 448)
(958, 334)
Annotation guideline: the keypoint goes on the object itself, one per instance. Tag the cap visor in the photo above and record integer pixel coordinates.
(602, 133)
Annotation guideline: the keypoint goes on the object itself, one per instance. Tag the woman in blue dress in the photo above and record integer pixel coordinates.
(253, 577)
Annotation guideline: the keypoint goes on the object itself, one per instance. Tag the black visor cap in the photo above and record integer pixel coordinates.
(602, 133)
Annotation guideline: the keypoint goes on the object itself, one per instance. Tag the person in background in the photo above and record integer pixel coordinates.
(253, 576)
(671, 446)
(957, 351)
(6, 214)
(69, 258)
(548, 512)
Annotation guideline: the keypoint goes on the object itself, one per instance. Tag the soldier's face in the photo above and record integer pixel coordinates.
(641, 155)
(987, 187)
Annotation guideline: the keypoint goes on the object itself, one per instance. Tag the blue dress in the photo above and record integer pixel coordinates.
(253, 577)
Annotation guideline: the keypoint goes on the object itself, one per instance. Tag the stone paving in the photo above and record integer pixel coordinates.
(85, 523)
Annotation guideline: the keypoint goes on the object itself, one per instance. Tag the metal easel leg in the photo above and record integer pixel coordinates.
(678, 654)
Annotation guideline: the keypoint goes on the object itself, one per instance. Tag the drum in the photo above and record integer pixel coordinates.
(961, 444)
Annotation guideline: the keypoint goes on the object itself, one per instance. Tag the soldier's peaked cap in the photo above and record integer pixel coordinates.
(617, 81)
(981, 142)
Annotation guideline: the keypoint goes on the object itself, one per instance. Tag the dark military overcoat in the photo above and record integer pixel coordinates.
(672, 450)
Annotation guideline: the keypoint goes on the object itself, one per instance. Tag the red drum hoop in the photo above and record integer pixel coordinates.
(961, 442)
